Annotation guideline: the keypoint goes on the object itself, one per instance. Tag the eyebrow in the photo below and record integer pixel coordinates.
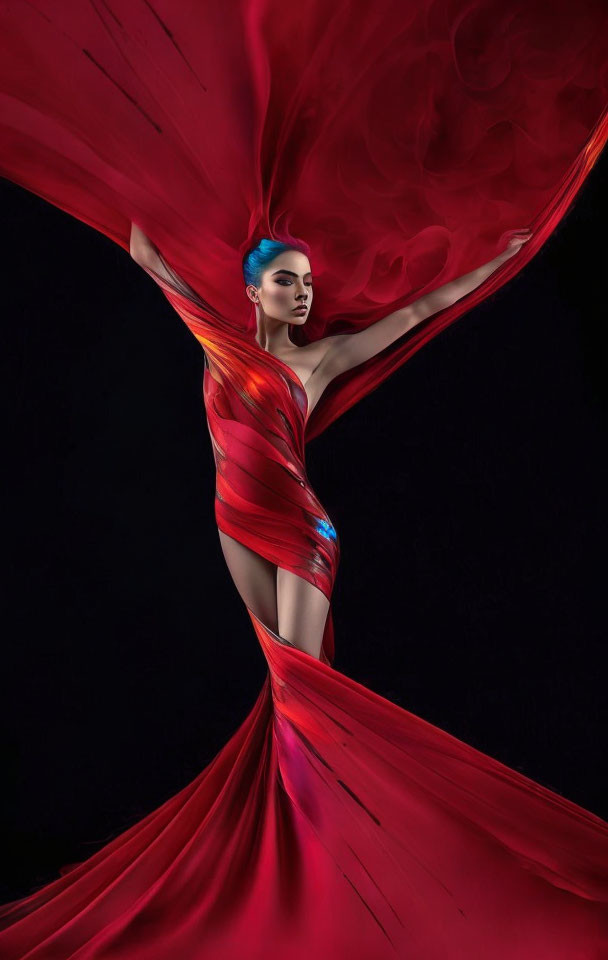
(291, 273)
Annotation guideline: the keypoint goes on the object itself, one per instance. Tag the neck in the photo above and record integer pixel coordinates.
(273, 335)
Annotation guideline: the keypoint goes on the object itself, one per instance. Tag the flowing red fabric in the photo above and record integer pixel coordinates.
(403, 141)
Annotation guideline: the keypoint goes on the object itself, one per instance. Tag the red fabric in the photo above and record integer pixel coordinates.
(402, 141)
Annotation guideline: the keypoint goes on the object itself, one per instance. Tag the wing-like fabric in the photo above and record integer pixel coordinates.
(401, 139)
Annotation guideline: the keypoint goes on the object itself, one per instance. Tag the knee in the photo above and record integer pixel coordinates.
(308, 641)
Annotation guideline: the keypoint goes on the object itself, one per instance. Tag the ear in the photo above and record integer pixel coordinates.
(252, 292)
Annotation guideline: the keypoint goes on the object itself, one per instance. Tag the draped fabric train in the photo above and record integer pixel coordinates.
(402, 140)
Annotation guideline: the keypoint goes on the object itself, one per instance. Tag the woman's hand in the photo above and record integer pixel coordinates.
(515, 243)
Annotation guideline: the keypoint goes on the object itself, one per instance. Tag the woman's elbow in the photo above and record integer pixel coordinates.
(144, 256)
(141, 248)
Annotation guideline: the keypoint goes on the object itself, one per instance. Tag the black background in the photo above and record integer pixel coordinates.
(468, 491)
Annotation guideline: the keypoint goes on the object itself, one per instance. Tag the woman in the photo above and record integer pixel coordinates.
(280, 546)
(333, 823)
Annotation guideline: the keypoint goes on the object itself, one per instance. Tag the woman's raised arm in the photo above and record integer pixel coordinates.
(349, 350)
(217, 335)
(149, 257)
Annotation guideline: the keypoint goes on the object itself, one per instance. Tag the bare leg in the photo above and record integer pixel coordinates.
(255, 579)
(289, 605)
(302, 612)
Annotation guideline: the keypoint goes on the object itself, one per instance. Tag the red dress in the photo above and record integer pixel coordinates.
(257, 411)
(334, 823)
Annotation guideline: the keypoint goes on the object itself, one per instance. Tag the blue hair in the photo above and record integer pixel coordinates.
(261, 255)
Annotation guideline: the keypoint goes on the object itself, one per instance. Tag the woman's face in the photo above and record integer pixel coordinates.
(286, 283)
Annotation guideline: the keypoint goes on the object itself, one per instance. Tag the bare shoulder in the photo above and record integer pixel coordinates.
(319, 350)
(314, 367)
(314, 359)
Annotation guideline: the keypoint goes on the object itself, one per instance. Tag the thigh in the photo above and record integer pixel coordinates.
(302, 611)
(255, 579)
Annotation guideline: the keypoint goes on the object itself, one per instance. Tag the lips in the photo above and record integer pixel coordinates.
(299, 309)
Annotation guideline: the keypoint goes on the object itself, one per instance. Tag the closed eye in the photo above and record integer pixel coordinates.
(284, 280)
